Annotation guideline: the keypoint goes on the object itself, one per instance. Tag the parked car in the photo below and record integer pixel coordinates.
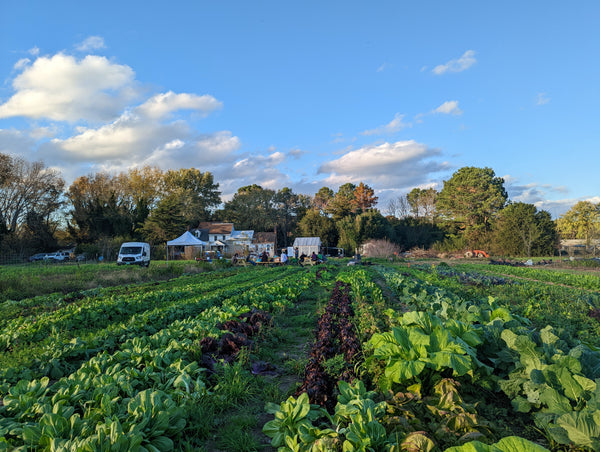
(58, 256)
(37, 257)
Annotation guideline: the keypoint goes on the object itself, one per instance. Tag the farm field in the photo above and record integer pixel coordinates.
(387, 356)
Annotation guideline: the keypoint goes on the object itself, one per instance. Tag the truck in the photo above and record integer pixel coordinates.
(134, 253)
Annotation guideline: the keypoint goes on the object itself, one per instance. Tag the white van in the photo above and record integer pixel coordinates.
(134, 253)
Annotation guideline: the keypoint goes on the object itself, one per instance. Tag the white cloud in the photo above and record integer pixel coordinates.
(457, 65)
(401, 164)
(164, 104)
(395, 125)
(550, 198)
(540, 195)
(449, 107)
(135, 139)
(22, 63)
(204, 151)
(62, 88)
(542, 99)
(91, 43)
(260, 169)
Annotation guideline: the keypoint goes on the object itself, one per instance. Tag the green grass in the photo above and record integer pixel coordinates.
(18, 282)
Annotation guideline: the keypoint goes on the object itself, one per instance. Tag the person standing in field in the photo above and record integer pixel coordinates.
(284, 257)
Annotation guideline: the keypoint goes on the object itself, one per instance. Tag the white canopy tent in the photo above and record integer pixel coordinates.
(185, 239)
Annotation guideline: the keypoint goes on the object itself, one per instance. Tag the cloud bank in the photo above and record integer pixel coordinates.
(398, 165)
(62, 88)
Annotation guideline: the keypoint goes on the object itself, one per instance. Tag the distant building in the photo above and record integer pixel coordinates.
(578, 247)
(224, 238)
(307, 245)
(264, 241)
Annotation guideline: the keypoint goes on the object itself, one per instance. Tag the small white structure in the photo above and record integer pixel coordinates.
(307, 245)
(185, 239)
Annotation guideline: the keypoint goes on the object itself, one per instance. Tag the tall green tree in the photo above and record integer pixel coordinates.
(166, 221)
(373, 225)
(549, 238)
(316, 224)
(472, 197)
(252, 207)
(197, 190)
(343, 203)
(355, 230)
(522, 230)
(349, 234)
(322, 199)
(290, 207)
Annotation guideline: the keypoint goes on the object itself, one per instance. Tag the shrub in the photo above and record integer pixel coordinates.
(380, 248)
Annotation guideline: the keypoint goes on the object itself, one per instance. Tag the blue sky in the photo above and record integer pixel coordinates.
(395, 94)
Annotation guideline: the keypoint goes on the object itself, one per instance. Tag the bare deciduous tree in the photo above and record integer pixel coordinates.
(27, 187)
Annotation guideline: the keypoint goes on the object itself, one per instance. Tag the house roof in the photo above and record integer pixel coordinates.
(307, 241)
(216, 228)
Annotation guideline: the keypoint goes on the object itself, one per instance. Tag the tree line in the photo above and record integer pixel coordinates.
(98, 211)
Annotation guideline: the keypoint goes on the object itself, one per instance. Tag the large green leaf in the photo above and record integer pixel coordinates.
(417, 442)
(547, 335)
(571, 388)
(463, 331)
(500, 314)
(583, 429)
(517, 444)
(555, 402)
(401, 371)
(445, 352)
(508, 444)
(424, 320)
(530, 357)
(162, 443)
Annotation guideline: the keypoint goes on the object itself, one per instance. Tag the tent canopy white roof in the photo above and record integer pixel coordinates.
(186, 239)
(307, 241)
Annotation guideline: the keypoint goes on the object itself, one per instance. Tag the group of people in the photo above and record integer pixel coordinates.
(283, 258)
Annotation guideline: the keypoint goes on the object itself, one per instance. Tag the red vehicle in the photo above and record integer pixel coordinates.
(476, 253)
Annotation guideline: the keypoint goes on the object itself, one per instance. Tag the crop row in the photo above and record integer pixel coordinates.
(43, 304)
(98, 309)
(569, 309)
(424, 369)
(133, 397)
(576, 280)
(62, 351)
